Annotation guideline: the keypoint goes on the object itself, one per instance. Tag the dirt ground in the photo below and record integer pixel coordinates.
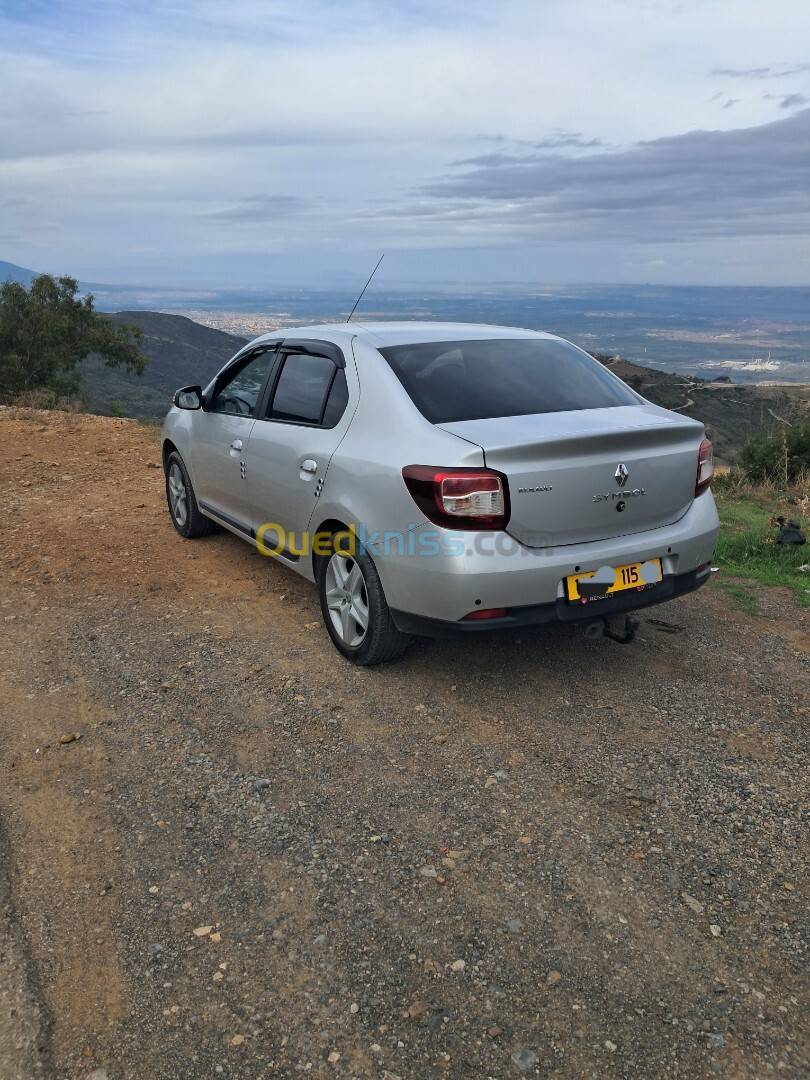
(525, 855)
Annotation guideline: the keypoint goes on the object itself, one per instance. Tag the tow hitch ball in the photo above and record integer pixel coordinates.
(601, 628)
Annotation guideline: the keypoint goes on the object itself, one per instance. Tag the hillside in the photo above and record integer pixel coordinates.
(730, 412)
(181, 351)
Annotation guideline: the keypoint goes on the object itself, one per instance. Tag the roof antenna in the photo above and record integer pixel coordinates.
(360, 297)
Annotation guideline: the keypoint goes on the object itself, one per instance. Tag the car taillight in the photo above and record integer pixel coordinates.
(705, 469)
(459, 498)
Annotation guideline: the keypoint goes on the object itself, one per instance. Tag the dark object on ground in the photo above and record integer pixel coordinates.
(789, 532)
(665, 627)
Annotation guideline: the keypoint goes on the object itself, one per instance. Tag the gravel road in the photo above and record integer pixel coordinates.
(532, 855)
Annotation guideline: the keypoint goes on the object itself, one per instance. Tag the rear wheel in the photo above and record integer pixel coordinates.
(355, 611)
(183, 509)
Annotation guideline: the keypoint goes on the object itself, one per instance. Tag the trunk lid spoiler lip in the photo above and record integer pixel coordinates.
(504, 432)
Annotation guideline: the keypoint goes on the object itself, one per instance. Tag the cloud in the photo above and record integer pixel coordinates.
(744, 73)
(746, 182)
(255, 208)
(204, 131)
(778, 72)
(791, 101)
(559, 140)
(568, 140)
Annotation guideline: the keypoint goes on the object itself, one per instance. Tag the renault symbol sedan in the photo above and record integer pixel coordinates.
(444, 479)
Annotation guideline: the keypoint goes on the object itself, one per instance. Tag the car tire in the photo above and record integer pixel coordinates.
(355, 611)
(186, 516)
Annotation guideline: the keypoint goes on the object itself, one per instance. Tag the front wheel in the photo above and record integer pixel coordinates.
(355, 611)
(183, 508)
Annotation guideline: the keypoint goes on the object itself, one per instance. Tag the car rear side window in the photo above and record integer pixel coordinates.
(474, 380)
(308, 391)
(337, 401)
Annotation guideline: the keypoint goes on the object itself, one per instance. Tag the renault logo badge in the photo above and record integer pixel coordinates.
(621, 475)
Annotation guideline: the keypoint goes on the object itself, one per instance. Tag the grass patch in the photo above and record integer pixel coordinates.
(743, 596)
(746, 548)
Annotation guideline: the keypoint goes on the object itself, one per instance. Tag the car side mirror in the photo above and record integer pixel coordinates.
(189, 397)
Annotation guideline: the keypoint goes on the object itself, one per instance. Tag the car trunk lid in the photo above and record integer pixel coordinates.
(566, 470)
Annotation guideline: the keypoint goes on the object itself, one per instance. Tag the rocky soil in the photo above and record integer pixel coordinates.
(532, 855)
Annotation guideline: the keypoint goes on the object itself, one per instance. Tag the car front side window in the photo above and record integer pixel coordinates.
(238, 393)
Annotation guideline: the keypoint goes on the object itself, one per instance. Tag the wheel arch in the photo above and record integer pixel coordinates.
(330, 525)
(168, 449)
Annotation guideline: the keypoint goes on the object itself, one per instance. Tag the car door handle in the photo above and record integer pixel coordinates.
(309, 466)
(236, 444)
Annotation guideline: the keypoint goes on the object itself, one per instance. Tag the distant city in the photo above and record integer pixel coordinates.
(247, 324)
(747, 334)
(751, 335)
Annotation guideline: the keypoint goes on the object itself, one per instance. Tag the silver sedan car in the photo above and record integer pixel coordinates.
(444, 479)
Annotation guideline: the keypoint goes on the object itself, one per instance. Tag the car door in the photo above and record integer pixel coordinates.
(221, 436)
(290, 447)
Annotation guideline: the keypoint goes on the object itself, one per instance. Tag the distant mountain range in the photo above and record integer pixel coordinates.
(16, 273)
(99, 290)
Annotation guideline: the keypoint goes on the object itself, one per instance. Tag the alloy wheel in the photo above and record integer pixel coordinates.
(347, 599)
(178, 496)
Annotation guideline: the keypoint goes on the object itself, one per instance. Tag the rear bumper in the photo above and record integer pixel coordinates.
(560, 611)
(491, 570)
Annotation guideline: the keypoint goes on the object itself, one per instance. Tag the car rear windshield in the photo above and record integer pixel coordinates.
(476, 380)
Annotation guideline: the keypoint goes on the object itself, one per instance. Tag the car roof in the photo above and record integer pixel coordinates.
(383, 334)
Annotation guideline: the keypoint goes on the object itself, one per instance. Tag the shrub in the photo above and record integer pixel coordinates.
(782, 457)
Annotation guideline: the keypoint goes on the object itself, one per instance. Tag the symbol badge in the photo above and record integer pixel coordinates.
(621, 475)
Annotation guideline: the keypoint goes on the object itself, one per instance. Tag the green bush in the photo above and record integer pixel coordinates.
(47, 330)
(782, 457)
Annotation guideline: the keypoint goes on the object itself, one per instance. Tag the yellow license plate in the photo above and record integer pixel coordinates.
(614, 579)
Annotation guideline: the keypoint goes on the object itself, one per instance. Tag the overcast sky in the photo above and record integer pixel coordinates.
(242, 141)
